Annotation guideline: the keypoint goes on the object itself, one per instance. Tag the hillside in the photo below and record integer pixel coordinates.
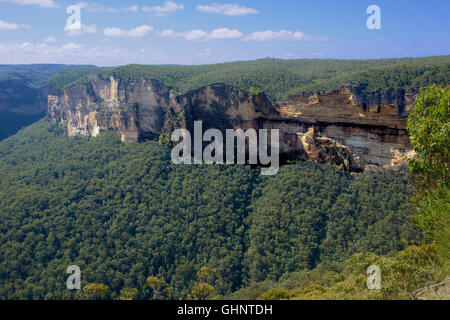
(281, 78)
(419, 272)
(139, 226)
(353, 111)
(123, 212)
(23, 96)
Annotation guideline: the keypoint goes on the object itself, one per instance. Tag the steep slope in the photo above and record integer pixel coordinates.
(334, 128)
(23, 95)
(123, 212)
(351, 114)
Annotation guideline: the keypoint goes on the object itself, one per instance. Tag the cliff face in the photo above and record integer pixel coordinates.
(136, 110)
(373, 127)
(341, 128)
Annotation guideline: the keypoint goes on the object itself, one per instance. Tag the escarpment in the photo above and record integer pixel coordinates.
(373, 127)
(135, 109)
(343, 128)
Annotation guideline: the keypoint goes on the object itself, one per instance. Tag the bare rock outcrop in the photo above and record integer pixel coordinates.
(340, 128)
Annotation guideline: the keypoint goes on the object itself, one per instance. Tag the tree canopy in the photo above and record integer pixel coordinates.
(280, 78)
(124, 214)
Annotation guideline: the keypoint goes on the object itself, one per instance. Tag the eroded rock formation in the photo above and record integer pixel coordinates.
(341, 128)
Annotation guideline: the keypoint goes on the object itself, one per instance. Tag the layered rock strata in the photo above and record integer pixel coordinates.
(342, 128)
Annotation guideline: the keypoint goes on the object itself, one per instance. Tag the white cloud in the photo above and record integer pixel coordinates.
(134, 8)
(283, 35)
(77, 29)
(72, 46)
(91, 7)
(230, 9)
(50, 39)
(41, 3)
(42, 48)
(200, 35)
(74, 53)
(96, 8)
(11, 26)
(195, 35)
(225, 33)
(136, 32)
(168, 33)
(165, 9)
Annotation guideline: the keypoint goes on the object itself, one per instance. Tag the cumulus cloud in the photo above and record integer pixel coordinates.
(41, 3)
(230, 9)
(167, 8)
(283, 35)
(11, 26)
(96, 8)
(225, 33)
(90, 7)
(44, 53)
(72, 46)
(200, 35)
(136, 32)
(78, 29)
(134, 8)
(26, 48)
(194, 35)
(75, 53)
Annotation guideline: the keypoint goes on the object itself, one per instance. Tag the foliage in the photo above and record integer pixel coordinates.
(289, 219)
(367, 217)
(202, 291)
(159, 287)
(401, 275)
(252, 291)
(254, 90)
(280, 78)
(205, 273)
(69, 76)
(124, 212)
(429, 127)
(433, 217)
(408, 274)
(129, 294)
(276, 294)
(95, 291)
(35, 75)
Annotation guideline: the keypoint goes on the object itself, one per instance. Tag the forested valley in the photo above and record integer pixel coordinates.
(140, 227)
(125, 214)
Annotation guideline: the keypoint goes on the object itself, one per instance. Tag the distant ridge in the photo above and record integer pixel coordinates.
(280, 78)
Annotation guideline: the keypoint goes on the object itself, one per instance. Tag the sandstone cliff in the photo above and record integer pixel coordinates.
(341, 128)
(374, 128)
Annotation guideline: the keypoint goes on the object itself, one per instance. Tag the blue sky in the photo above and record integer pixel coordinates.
(120, 32)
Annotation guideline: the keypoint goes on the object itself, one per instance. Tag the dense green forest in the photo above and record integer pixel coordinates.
(281, 78)
(139, 226)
